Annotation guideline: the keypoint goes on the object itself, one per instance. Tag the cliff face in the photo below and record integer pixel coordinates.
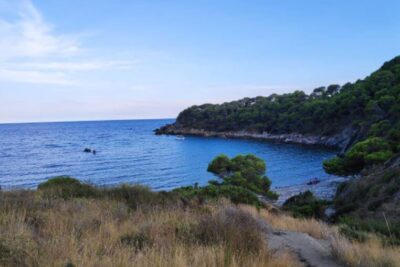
(340, 141)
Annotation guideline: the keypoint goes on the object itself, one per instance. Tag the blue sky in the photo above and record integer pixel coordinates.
(97, 59)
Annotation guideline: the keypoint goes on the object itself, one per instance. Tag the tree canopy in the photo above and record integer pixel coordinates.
(241, 179)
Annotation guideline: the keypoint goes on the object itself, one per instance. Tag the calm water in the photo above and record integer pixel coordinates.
(128, 151)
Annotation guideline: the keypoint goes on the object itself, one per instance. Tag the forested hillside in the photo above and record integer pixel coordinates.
(370, 108)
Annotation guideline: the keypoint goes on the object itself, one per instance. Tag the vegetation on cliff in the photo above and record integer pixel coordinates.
(366, 153)
(369, 107)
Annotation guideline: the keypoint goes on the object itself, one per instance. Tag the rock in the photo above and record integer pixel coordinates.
(87, 150)
(340, 140)
(313, 181)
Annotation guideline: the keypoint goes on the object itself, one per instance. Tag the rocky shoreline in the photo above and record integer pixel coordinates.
(325, 189)
(340, 141)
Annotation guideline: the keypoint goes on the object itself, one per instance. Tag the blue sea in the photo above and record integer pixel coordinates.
(129, 152)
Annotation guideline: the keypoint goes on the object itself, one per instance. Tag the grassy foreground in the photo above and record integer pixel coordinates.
(68, 223)
(127, 226)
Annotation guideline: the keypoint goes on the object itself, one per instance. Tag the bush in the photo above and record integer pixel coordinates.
(335, 166)
(378, 157)
(133, 195)
(220, 165)
(138, 195)
(247, 171)
(306, 205)
(374, 150)
(242, 178)
(66, 187)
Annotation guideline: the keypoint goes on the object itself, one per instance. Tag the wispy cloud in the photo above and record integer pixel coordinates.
(31, 51)
(35, 77)
(30, 36)
(74, 66)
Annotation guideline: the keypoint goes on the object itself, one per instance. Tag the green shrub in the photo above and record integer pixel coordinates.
(220, 165)
(247, 171)
(66, 187)
(380, 128)
(378, 157)
(133, 195)
(374, 150)
(306, 205)
(335, 166)
(136, 195)
(241, 180)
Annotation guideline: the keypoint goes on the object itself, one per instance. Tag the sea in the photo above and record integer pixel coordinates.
(129, 152)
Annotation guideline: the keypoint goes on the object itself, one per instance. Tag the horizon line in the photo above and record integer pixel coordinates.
(94, 120)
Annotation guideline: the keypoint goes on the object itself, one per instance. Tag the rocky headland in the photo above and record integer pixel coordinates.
(339, 141)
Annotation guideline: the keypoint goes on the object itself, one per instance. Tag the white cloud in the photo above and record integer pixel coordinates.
(30, 36)
(31, 51)
(75, 66)
(35, 77)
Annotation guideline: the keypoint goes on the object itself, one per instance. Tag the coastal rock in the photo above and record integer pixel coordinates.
(342, 140)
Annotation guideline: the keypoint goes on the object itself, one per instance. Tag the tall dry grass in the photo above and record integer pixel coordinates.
(371, 253)
(283, 221)
(36, 231)
(368, 254)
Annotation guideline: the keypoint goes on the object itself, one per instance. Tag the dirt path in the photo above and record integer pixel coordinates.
(313, 252)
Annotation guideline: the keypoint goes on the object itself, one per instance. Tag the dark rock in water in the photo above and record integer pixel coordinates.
(94, 152)
(87, 150)
(313, 181)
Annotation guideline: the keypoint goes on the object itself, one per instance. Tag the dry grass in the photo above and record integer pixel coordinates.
(371, 253)
(368, 254)
(283, 221)
(102, 232)
(37, 231)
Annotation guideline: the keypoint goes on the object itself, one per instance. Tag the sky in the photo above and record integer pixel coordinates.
(71, 60)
